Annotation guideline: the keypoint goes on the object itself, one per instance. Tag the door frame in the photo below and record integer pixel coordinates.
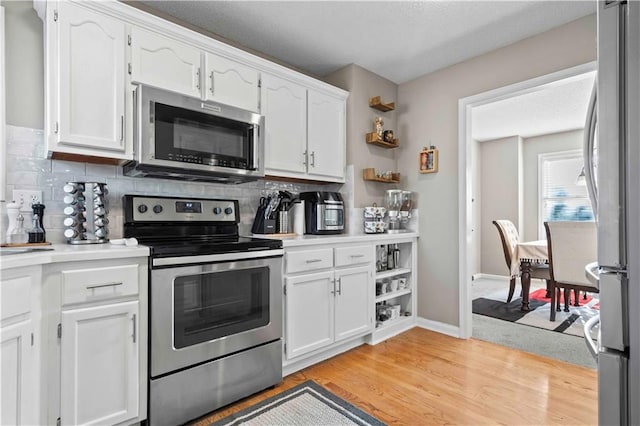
(465, 162)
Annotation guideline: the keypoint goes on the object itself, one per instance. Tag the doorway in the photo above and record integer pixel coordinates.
(468, 154)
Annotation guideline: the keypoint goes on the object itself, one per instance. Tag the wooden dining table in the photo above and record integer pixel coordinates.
(524, 255)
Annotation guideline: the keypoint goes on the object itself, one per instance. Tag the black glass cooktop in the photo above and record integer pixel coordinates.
(217, 245)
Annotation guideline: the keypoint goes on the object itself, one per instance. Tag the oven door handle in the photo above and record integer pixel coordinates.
(210, 258)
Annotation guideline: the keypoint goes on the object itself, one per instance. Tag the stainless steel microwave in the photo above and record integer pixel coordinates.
(177, 136)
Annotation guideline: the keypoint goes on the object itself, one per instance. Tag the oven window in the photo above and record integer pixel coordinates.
(211, 305)
(181, 133)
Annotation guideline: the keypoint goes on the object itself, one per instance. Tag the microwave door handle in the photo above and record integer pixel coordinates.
(256, 147)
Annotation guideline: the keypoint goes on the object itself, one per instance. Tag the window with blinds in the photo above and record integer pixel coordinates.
(563, 196)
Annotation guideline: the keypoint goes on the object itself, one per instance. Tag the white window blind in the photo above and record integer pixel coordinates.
(562, 196)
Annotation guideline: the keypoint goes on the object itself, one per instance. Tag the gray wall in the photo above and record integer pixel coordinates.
(362, 85)
(501, 196)
(556, 142)
(428, 111)
(24, 65)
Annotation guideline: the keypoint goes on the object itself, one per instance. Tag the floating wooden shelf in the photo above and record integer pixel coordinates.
(370, 174)
(374, 139)
(428, 160)
(376, 103)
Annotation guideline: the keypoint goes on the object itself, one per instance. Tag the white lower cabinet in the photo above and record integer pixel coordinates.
(99, 364)
(19, 346)
(97, 341)
(18, 378)
(352, 312)
(309, 305)
(325, 305)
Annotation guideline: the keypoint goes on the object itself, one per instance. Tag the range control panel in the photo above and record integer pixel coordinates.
(169, 209)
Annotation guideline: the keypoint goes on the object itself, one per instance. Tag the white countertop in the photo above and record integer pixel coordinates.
(70, 253)
(308, 240)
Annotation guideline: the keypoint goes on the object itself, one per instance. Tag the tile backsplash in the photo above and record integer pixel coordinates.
(27, 169)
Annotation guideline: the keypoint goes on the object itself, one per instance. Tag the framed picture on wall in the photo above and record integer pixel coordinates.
(429, 160)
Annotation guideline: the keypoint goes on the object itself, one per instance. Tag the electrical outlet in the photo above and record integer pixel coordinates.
(26, 198)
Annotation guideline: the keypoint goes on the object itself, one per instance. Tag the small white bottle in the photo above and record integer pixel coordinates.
(298, 218)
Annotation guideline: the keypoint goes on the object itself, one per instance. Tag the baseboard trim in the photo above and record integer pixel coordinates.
(439, 327)
(491, 276)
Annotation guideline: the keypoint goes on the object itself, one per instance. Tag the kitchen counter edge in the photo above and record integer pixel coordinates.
(310, 240)
(71, 253)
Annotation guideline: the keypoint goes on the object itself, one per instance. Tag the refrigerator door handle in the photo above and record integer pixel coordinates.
(592, 272)
(588, 146)
(591, 344)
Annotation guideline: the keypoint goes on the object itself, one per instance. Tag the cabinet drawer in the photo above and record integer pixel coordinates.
(308, 260)
(354, 255)
(15, 296)
(86, 285)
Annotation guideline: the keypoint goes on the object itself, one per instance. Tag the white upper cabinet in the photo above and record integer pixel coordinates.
(284, 105)
(326, 136)
(87, 97)
(164, 63)
(231, 83)
(305, 131)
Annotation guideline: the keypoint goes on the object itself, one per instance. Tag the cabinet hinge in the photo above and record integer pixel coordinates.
(56, 128)
(129, 68)
(285, 290)
(259, 82)
(31, 339)
(129, 39)
(55, 15)
(285, 347)
(59, 331)
(58, 421)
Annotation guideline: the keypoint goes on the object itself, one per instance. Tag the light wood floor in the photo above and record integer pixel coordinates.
(426, 378)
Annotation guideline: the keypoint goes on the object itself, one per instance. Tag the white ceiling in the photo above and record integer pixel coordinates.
(553, 108)
(399, 40)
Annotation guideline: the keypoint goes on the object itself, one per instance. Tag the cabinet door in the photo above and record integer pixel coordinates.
(352, 304)
(18, 375)
(99, 364)
(284, 105)
(231, 83)
(326, 136)
(309, 313)
(164, 63)
(91, 83)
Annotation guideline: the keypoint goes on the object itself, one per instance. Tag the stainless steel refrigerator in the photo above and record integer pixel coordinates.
(612, 168)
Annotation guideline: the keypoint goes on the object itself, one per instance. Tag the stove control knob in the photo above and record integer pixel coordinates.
(228, 210)
(157, 209)
(142, 208)
(217, 210)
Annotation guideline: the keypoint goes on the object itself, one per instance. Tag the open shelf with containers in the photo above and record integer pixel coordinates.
(394, 300)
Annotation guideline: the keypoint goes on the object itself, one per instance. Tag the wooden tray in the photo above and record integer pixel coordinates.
(25, 244)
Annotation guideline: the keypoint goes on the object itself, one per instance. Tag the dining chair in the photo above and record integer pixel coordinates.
(571, 246)
(510, 238)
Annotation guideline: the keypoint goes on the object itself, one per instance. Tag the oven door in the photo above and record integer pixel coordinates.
(218, 307)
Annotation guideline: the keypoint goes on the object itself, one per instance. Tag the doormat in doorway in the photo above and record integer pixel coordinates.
(571, 322)
(305, 404)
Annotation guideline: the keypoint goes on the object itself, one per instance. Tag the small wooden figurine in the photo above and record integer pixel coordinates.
(378, 126)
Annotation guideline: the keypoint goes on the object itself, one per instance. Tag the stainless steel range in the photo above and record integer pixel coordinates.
(215, 305)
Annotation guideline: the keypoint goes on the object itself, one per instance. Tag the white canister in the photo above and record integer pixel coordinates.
(298, 218)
